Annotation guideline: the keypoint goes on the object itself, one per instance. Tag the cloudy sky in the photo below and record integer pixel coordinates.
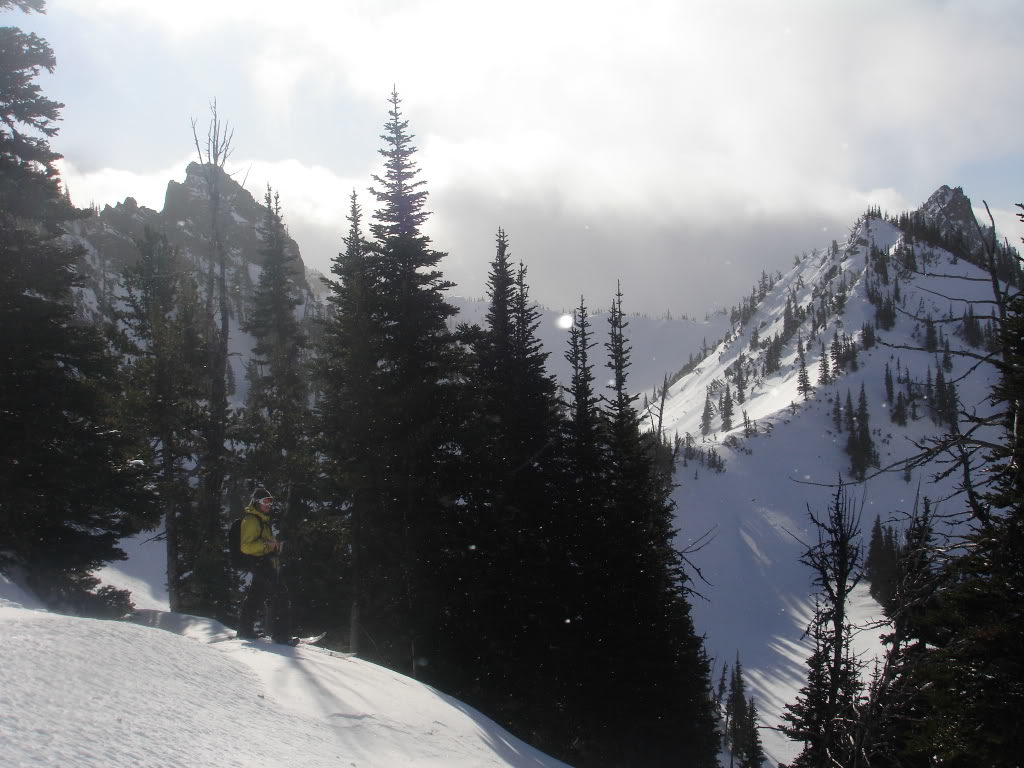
(679, 147)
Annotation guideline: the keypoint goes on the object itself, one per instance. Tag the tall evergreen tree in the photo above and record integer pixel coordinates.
(803, 380)
(503, 568)
(275, 425)
(753, 752)
(70, 489)
(736, 712)
(899, 411)
(414, 406)
(164, 364)
(275, 417)
(643, 657)
(727, 409)
(859, 445)
(707, 415)
(348, 376)
(402, 480)
(824, 376)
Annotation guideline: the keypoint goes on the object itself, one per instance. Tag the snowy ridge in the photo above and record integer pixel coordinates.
(757, 509)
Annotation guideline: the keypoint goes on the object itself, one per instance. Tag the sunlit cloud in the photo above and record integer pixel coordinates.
(668, 116)
(109, 186)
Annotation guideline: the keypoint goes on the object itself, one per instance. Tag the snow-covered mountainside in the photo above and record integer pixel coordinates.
(754, 512)
(82, 693)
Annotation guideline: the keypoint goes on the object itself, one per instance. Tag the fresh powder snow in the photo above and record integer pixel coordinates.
(85, 693)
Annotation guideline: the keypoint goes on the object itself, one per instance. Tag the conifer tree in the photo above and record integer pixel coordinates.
(860, 446)
(275, 417)
(584, 510)
(824, 376)
(347, 376)
(741, 382)
(837, 356)
(894, 707)
(163, 365)
(275, 425)
(510, 528)
(70, 489)
(736, 712)
(727, 409)
(641, 692)
(939, 404)
(803, 384)
(899, 411)
(402, 400)
(931, 339)
(753, 751)
(707, 414)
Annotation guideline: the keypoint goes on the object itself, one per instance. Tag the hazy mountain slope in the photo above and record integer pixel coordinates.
(758, 592)
(660, 345)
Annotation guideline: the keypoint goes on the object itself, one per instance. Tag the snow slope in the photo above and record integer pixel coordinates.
(757, 592)
(83, 693)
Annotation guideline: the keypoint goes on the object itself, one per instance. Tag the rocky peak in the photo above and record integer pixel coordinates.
(185, 220)
(950, 211)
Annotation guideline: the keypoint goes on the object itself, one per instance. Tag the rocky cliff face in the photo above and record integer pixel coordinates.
(110, 236)
(950, 211)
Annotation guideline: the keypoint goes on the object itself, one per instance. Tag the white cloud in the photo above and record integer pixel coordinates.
(664, 106)
(315, 193)
(685, 116)
(109, 186)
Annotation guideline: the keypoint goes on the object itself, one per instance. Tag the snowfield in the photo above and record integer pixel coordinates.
(751, 519)
(83, 693)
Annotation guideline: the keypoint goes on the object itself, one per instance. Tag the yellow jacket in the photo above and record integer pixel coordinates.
(257, 538)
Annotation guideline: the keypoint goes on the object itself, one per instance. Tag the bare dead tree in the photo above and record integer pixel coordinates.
(210, 568)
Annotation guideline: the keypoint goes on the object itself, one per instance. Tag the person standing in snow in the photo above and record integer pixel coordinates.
(257, 541)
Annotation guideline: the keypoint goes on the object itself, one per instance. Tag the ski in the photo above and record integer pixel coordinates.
(307, 640)
(336, 654)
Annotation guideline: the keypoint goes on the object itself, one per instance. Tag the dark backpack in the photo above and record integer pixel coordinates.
(239, 560)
